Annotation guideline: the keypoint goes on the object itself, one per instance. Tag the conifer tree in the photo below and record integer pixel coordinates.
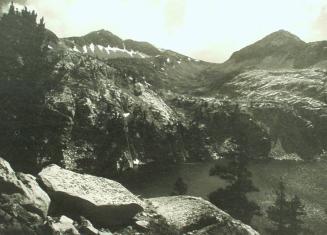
(297, 211)
(22, 65)
(278, 213)
(180, 187)
(286, 215)
(22, 44)
(233, 198)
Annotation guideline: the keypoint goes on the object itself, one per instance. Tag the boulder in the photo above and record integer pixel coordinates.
(103, 201)
(23, 204)
(226, 229)
(8, 179)
(37, 200)
(196, 215)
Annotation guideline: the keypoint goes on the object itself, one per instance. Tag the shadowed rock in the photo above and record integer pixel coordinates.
(103, 201)
(23, 204)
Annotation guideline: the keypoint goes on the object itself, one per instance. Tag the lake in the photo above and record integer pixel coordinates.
(306, 179)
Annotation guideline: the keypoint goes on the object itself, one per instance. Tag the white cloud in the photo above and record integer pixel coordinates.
(207, 29)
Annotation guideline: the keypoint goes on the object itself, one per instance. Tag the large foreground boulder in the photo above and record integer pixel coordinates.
(23, 204)
(197, 216)
(103, 201)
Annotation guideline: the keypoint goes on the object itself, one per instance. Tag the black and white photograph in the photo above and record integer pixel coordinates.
(163, 117)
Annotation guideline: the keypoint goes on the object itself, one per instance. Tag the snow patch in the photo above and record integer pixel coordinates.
(84, 49)
(100, 47)
(75, 49)
(92, 47)
(125, 115)
(138, 162)
(109, 50)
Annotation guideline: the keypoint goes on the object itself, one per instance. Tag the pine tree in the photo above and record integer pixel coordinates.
(278, 213)
(180, 187)
(286, 215)
(233, 198)
(22, 65)
(23, 44)
(297, 211)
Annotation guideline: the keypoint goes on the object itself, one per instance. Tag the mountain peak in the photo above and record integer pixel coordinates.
(104, 38)
(102, 32)
(280, 37)
(276, 50)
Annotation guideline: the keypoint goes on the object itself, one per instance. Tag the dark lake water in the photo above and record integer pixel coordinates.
(306, 179)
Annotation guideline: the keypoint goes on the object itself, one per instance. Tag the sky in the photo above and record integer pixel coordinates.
(209, 30)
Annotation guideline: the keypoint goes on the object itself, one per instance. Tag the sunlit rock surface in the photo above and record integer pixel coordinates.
(195, 215)
(103, 201)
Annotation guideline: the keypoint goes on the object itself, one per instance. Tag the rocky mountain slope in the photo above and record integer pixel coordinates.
(159, 67)
(279, 50)
(104, 44)
(291, 104)
(281, 81)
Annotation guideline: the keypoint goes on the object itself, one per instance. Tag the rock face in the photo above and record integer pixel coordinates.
(222, 121)
(23, 204)
(191, 214)
(101, 200)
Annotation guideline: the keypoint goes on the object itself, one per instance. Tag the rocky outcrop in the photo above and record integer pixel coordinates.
(290, 104)
(38, 201)
(195, 215)
(103, 201)
(88, 117)
(216, 123)
(23, 204)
